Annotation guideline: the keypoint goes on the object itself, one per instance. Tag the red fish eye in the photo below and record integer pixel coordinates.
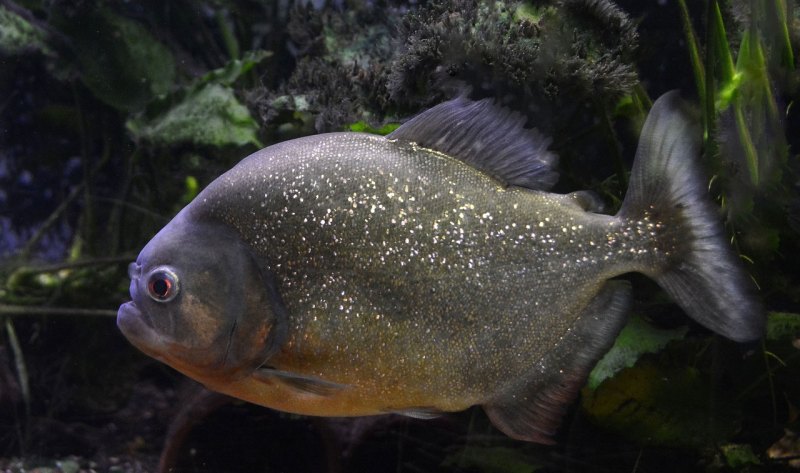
(162, 285)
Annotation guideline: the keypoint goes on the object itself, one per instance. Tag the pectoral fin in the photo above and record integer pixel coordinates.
(303, 383)
(417, 412)
(532, 408)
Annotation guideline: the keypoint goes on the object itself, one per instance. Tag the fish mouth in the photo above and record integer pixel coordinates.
(137, 329)
(196, 363)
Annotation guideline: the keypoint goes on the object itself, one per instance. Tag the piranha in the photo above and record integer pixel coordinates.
(349, 274)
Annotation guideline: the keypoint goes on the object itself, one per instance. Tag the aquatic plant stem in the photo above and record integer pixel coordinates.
(694, 51)
(22, 376)
(608, 128)
(709, 103)
(746, 141)
(114, 228)
(771, 380)
(228, 37)
(53, 218)
(21, 310)
(121, 259)
(787, 58)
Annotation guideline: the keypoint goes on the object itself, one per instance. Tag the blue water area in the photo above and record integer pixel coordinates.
(27, 199)
(40, 145)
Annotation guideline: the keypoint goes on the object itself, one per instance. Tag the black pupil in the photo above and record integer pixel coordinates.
(161, 287)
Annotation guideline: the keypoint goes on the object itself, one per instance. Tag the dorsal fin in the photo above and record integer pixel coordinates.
(488, 137)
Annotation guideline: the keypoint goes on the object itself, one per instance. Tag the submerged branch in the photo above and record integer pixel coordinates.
(22, 376)
(122, 259)
(21, 310)
(51, 220)
(59, 211)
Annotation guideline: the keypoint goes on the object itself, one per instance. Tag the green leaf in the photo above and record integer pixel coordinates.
(362, 126)
(694, 51)
(720, 45)
(207, 113)
(132, 66)
(750, 65)
(785, 38)
(19, 36)
(192, 188)
(236, 68)
(208, 116)
(783, 326)
(738, 456)
(637, 338)
(655, 404)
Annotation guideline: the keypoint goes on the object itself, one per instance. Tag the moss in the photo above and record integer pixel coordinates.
(583, 46)
(380, 63)
(339, 73)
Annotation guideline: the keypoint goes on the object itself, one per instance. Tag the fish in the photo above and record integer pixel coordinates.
(430, 270)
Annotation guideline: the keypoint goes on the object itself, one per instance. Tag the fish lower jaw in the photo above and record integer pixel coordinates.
(134, 326)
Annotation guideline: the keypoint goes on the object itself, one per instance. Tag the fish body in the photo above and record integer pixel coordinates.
(350, 274)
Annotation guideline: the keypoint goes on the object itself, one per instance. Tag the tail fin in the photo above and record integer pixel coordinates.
(703, 275)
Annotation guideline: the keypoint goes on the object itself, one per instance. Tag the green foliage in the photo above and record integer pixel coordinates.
(695, 57)
(738, 456)
(362, 126)
(783, 326)
(661, 404)
(670, 396)
(234, 69)
(119, 60)
(192, 189)
(208, 113)
(19, 36)
(742, 118)
(637, 338)
(70, 285)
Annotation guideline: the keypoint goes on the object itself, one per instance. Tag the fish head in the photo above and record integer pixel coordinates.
(201, 303)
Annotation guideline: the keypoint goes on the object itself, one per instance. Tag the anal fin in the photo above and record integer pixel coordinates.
(532, 408)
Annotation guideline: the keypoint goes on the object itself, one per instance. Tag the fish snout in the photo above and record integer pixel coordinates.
(134, 270)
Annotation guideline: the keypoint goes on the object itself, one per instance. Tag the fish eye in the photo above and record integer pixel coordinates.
(162, 285)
